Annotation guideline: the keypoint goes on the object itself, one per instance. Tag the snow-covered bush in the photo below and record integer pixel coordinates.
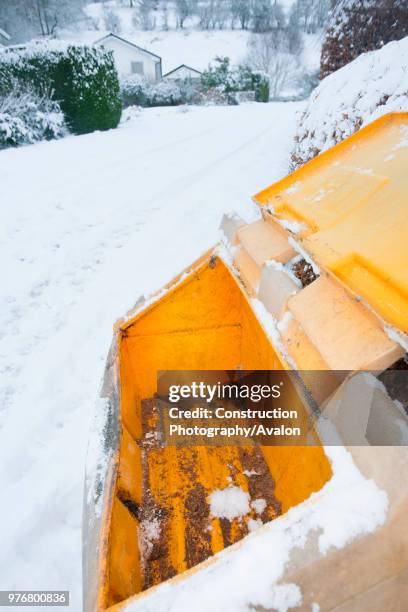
(217, 97)
(220, 75)
(166, 93)
(372, 85)
(82, 79)
(25, 117)
(358, 26)
(223, 80)
(261, 86)
(137, 91)
(134, 91)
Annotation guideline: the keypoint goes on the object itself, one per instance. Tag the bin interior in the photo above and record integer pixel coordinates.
(160, 520)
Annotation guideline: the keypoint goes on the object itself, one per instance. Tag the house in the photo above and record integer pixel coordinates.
(132, 59)
(183, 73)
(4, 38)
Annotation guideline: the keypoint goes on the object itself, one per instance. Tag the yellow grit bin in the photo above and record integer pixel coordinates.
(326, 262)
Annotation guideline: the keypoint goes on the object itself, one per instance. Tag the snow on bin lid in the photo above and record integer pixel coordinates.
(351, 205)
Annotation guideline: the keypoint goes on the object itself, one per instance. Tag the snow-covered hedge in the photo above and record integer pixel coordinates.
(137, 91)
(225, 79)
(26, 118)
(82, 79)
(372, 85)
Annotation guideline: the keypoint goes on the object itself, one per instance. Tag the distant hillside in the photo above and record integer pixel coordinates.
(293, 37)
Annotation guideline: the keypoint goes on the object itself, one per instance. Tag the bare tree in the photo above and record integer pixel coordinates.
(53, 14)
(146, 17)
(241, 10)
(269, 53)
(165, 16)
(280, 73)
(206, 13)
(24, 19)
(111, 20)
(294, 35)
(183, 10)
(222, 11)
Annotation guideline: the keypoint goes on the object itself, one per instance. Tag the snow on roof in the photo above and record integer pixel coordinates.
(182, 66)
(127, 42)
(4, 34)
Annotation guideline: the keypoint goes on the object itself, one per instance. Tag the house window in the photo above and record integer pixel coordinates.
(137, 67)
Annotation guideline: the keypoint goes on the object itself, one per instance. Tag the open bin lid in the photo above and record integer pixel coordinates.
(350, 206)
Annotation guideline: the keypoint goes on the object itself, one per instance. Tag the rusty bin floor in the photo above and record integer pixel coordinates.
(176, 531)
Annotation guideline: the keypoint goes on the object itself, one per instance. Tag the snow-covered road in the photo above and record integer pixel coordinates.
(87, 225)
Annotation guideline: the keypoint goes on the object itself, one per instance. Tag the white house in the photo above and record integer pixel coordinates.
(4, 38)
(132, 59)
(183, 73)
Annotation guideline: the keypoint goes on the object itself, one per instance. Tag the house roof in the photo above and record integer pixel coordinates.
(181, 66)
(4, 34)
(127, 42)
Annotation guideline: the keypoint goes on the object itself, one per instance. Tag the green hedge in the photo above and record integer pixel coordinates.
(229, 79)
(82, 79)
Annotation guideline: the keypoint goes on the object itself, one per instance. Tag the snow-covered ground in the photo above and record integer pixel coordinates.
(87, 225)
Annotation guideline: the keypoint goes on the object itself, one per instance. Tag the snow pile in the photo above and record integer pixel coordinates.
(229, 503)
(149, 533)
(348, 506)
(374, 84)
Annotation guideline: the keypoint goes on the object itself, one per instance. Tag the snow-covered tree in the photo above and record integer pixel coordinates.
(357, 26)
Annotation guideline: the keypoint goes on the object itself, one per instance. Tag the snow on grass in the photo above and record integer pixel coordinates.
(193, 47)
(229, 503)
(88, 224)
(371, 86)
(348, 506)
